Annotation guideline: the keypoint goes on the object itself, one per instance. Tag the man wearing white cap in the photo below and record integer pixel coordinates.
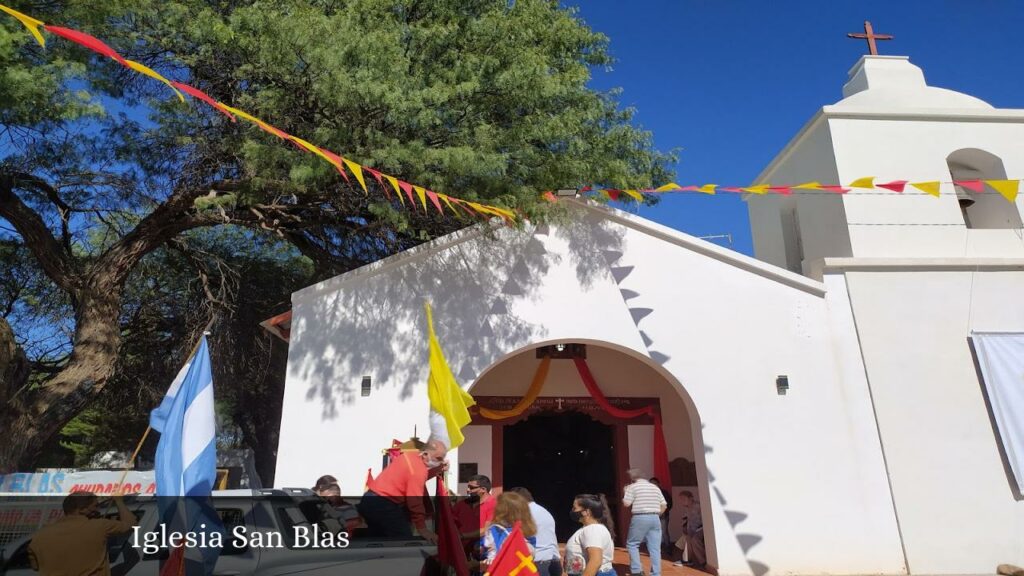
(647, 504)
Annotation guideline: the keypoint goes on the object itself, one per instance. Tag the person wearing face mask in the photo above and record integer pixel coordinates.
(473, 514)
(588, 552)
(394, 501)
(77, 543)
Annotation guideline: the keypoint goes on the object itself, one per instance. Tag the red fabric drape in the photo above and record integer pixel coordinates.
(90, 42)
(449, 545)
(661, 469)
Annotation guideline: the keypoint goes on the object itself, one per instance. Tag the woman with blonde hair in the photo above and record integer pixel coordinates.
(510, 508)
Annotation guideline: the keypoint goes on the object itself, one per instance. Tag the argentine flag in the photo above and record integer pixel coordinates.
(186, 457)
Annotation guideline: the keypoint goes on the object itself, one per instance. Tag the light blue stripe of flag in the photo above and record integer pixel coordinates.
(186, 457)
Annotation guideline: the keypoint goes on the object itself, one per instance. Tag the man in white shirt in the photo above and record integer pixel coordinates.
(545, 555)
(647, 504)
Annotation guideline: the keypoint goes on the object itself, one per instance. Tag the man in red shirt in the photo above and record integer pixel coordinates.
(473, 514)
(394, 501)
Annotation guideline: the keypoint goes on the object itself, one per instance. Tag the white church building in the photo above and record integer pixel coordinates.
(838, 404)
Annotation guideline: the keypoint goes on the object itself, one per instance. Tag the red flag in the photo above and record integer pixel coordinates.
(197, 93)
(514, 558)
(449, 545)
(175, 563)
(972, 185)
(90, 42)
(895, 185)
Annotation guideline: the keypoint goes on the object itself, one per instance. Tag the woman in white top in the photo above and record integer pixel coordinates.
(589, 551)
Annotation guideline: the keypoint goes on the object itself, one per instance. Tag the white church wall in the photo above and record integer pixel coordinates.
(726, 334)
(955, 502)
(476, 449)
(790, 490)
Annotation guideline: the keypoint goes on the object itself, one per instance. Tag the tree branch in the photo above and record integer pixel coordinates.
(36, 236)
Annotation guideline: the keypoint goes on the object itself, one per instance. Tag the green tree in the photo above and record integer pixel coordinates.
(482, 99)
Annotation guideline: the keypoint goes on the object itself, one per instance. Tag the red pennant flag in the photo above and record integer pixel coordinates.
(586, 189)
(730, 189)
(895, 185)
(785, 190)
(450, 553)
(613, 193)
(833, 188)
(336, 161)
(197, 93)
(689, 189)
(972, 185)
(90, 42)
(514, 558)
(434, 200)
(407, 188)
(380, 181)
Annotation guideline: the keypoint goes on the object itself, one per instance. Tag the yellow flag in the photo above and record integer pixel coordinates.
(398, 189)
(866, 182)
(31, 23)
(422, 195)
(931, 187)
(143, 69)
(667, 187)
(447, 398)
(708, 188)
(634, 195)
(357, 171)
(1008, 188)
(759, 189)
(809, 186)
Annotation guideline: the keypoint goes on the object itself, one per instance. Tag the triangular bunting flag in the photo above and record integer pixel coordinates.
(927, 187)
(785, 190)
(707, 188)
(1008, 188)
(634, 195)
(447, 202)
(31, 23)
(434, 201)
(866, 182)
(380, 181)
(335, 160)
(407, 188)
(357, 171)
(422, 195)
(611, 193)
(394, 184)
(667, 187)
(808, 186)
(895, 185)
(759, 189)
(730, 189)
(197, 93)
(972, 185)
(832, 188)
(143, 69)
(83, 39)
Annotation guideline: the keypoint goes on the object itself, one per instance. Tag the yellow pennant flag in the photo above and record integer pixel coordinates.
(357, 171)
(931, 187)
(1008, 188)
(448, 203)
(759, 189)
(808, 186)
(447, 398)
(31, 23)
(422, 195)
(866, 182)
(634, 195)
(398, 189)
(667, 187)
(708, 188)
(143, 69)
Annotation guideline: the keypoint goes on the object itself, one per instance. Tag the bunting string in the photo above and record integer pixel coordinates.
(344, 166)
(1008, 189)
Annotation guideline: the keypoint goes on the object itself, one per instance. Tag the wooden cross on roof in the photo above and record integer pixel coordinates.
(870, 36)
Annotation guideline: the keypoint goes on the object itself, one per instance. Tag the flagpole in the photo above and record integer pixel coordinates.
(138, 447)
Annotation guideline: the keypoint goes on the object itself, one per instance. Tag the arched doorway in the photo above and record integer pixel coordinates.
(557, 455)
(629, 380)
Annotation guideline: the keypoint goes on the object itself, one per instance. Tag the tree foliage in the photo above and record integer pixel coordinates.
(109, 184)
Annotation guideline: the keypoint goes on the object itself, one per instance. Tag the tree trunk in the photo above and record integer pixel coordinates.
(34, 415)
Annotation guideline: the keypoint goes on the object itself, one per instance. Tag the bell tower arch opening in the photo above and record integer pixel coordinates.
(987, 209)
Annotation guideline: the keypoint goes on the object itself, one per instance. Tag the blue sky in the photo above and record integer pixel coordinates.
(730, 82)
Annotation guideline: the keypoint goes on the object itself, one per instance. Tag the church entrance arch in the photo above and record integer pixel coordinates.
(565, 442)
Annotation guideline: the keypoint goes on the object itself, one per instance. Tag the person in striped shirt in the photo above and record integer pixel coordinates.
(647, 504)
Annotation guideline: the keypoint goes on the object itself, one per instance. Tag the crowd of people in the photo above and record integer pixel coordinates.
(393, 506)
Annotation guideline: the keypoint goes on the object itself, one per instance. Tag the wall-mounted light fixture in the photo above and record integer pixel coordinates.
(782, 384)
(367, 385)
